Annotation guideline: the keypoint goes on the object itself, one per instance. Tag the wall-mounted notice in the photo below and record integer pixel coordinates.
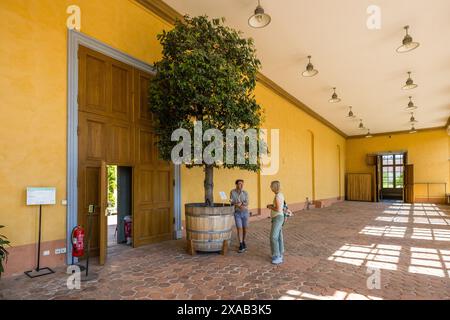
(41, 196)
(223, 195)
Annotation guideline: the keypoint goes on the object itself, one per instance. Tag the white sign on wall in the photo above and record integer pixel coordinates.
(223, 196)
(41, 196)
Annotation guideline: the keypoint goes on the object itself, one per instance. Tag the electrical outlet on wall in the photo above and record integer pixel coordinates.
(60, 250)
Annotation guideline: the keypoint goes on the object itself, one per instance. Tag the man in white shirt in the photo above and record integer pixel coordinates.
(239, 198)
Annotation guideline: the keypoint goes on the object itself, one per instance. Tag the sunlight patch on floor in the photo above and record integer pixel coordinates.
(431, 262)
(384, 231)
(378, 256)
(338, 295)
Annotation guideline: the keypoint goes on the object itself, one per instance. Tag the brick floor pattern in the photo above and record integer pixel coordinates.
(331, 253)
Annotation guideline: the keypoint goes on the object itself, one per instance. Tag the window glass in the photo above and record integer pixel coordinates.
(398, 159)
(392, 170)
(398, 177)
(388, 159)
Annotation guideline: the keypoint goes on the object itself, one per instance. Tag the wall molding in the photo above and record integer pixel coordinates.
(75, 39)
(380, 134)
(161, 9)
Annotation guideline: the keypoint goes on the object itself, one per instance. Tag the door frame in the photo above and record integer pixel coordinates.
(379, 172)
(75, 39)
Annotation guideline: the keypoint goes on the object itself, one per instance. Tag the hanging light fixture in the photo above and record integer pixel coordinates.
(350, 114)
(361, 125)
(413, 129)
(407, 44)
(368, 135)
(411, 106)
(310, 71)
(412, 120)
(334, 97)
(259, 19)
(409, 83)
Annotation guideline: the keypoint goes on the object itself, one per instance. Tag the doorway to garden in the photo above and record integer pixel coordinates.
(120, 208)
(394, 177)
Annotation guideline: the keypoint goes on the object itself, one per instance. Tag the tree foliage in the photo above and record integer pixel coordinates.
(208, 73)
(4, 242)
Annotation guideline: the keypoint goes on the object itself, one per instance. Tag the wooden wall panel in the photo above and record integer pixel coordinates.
(92, 133)
(120, 144)
(143, 114)
(121, 78)
(146, 147)
(359, 187)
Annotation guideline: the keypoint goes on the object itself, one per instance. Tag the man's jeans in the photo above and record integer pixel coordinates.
(276, 236)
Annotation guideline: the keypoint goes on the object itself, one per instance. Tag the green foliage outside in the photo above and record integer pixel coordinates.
(112, 186)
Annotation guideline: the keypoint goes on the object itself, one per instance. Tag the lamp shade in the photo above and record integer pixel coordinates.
(310, 71)
(350, 115)
(334, 97)
(409, 83)
(407, 44)
(411, 106)
(259, 19)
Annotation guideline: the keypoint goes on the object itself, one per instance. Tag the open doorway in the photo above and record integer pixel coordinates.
(119, 197)
(391, 176)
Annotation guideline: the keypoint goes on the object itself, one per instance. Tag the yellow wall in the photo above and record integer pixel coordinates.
(33, 108)
(427, 150)
(33, 123)
(295, 173)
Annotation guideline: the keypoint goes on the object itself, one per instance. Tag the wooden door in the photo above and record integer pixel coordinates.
(89, 194)
(152, 178)
(379, 179)
(115, 127)
(409, 184)
(103, 215)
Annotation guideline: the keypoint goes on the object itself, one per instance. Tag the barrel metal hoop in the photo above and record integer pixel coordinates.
(208, 232)
(208, 215)
(208, 241)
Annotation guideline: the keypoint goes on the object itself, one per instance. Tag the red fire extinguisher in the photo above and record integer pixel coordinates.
(78, 241)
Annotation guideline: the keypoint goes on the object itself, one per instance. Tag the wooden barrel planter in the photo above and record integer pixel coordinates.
(208, 229)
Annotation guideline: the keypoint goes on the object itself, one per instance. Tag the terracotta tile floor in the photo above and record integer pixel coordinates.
(331, 253)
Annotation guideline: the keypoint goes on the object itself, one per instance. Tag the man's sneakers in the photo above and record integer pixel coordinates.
(242, 247)
(277, 260)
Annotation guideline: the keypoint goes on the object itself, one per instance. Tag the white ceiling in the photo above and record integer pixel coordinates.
(361, 63)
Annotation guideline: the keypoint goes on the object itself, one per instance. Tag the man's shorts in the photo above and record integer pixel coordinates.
(241, 219)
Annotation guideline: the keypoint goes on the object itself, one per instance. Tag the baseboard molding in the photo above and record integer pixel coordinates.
(24, 258)
(264, 213)
(440, 200)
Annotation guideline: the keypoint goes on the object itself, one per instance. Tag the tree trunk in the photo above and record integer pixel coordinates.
(209, 185)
